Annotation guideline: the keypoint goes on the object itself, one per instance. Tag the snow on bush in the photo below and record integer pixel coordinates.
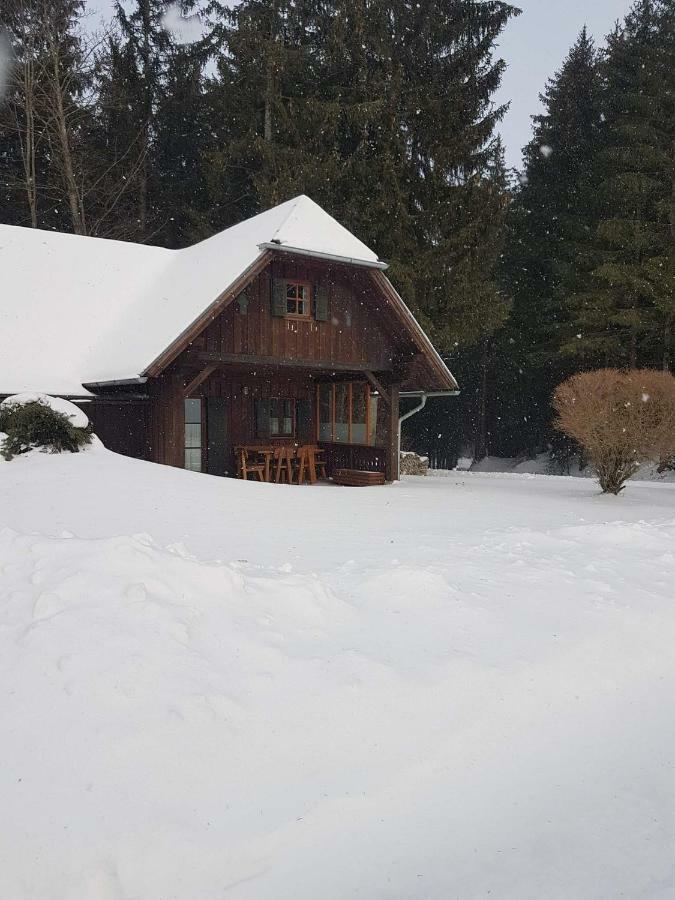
(31, 421)
(58, 404)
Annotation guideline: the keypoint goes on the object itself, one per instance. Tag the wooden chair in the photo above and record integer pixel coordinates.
(283, 464)
(304, 466)
(247, 468)
(320, 463)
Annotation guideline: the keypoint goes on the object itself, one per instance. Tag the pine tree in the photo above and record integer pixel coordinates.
(619, 316)
(553, 216)
(182, 138)
(381, 111)
(150, 88)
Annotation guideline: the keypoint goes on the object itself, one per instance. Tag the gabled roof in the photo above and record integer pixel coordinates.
(80, 310)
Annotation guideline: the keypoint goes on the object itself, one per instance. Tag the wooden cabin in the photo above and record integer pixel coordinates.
(282, 328)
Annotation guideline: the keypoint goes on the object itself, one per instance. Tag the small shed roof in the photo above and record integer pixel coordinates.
(82, 310)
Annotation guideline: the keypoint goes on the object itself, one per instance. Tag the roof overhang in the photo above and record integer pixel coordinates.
(420, 338)
(212, 310)
(119, 384)
(445, 381)
(326, 257)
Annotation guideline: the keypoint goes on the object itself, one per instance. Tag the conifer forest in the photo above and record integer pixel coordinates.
(385, 112)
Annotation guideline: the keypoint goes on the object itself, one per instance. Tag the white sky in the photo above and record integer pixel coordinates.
(534, 46)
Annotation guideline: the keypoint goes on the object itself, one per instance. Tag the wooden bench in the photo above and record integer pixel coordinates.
(357, 478)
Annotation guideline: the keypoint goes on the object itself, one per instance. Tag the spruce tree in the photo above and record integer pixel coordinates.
(182, 138)
(622, 314)
(553, 215)
(383, 112)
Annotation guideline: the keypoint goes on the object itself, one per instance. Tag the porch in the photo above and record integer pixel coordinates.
(349, 417)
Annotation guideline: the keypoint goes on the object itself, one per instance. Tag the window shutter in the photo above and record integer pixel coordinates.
(262, 418)
(303, 417)
(320, 303)
(278, 297)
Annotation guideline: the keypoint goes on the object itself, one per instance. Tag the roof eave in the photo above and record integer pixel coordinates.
(422, 339)
(214, 309)
(326, 257)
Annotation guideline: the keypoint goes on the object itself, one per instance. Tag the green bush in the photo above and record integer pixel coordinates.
(36, 424)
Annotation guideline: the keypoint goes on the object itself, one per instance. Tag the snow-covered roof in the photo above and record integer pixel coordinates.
(80, 310)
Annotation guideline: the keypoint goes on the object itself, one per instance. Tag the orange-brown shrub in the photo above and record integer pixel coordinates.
(620, 418)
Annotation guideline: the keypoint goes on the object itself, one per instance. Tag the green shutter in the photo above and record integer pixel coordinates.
(320, 303)
(278, 297)
(303, 417)
(262, 419)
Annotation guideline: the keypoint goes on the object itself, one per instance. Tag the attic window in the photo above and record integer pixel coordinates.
(298, 299)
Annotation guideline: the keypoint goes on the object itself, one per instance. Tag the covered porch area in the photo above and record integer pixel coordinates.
(289, 422)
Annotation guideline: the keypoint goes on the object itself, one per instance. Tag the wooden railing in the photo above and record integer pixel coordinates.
(354, 456)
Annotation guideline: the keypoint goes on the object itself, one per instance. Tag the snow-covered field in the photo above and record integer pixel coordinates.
(453, 687)
(542, 465)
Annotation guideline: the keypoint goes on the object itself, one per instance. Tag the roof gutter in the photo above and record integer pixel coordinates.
(330, 257)
(121, 383)
(423, 397)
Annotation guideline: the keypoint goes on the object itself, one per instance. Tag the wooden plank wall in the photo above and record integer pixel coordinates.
(244, 389)
(354, 332)
(359, 332)
(122, 426)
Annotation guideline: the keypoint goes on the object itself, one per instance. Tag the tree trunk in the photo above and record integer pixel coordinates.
(28, 139)
(59, 114)
(481, 442)
(148, 103)
(22, 105)
(269, 98)
(667, 342)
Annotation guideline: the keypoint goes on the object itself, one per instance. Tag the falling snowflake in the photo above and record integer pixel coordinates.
(646, 398)
(546, 151)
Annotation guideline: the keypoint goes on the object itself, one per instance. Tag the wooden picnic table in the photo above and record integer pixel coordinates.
(305, 456)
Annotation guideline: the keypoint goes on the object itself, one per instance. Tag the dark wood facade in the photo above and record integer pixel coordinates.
(250, 351)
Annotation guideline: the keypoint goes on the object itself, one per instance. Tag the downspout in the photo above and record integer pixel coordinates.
(424, 396)
(401, 420)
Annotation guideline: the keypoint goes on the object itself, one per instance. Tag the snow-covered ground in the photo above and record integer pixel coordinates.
(541, 465)
(452, 687)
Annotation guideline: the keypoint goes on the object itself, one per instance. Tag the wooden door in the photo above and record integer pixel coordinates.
(218, 451)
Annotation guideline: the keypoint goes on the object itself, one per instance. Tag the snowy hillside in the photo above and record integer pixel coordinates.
(447, 688)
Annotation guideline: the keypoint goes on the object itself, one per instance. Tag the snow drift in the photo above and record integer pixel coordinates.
(447, 688)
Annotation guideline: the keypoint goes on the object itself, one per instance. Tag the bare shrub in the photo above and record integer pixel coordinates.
(621, 419)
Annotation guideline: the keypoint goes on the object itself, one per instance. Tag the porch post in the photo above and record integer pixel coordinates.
(392, 457)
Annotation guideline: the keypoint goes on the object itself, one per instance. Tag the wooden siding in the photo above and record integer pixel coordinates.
(246, 353)
(354, 333)
(122, 426)
(240, 391)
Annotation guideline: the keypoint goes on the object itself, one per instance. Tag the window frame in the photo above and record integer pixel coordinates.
(284, 435)
(280, 436)
(202, 434)
(304, 316)
(351, 386)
